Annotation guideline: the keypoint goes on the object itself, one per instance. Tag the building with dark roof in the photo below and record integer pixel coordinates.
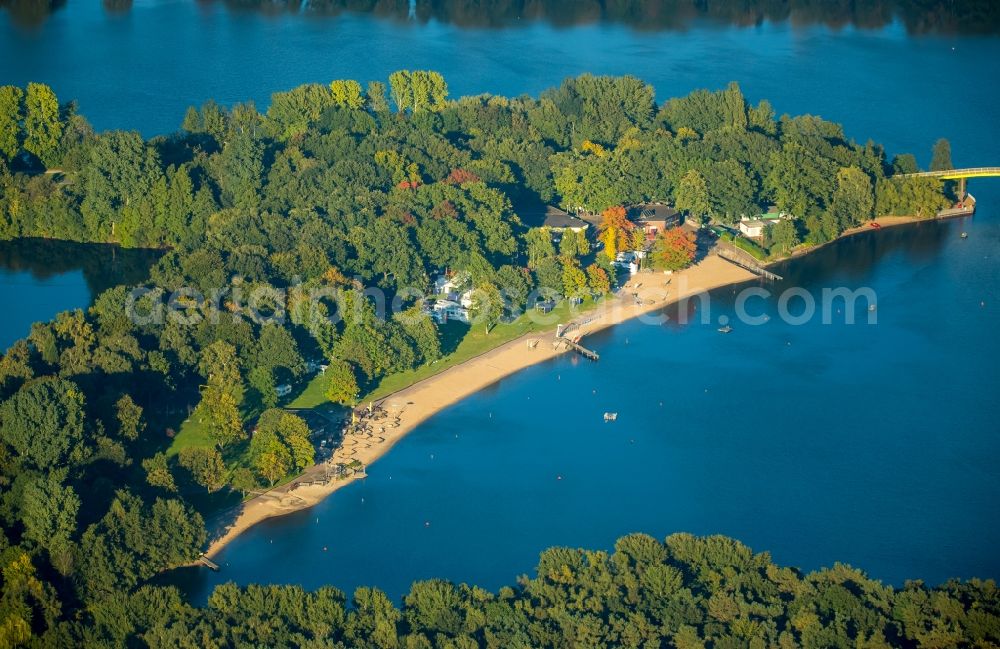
(654, 217)
(559, 220)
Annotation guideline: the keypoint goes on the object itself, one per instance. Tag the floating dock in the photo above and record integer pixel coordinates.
(209, 563)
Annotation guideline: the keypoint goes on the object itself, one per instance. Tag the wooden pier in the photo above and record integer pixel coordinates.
(578, 348)
(208, 562)
(751, 266)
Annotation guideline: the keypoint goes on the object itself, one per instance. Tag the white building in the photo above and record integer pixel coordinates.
(444, 310)
(754, 227)
(451, 287)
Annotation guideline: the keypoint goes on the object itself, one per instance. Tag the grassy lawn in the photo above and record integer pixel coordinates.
(193, 433)
(475, 342)
(312, 396)
(463, 341)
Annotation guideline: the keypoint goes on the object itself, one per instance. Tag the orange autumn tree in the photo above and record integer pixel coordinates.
(674, 249)
(615, 231)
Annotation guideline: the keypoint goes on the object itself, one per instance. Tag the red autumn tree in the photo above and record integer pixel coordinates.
(674, 249)
(459, 176)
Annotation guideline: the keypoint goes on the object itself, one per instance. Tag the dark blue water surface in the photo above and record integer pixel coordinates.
(40, 278)
(869, 444)
(875, 445)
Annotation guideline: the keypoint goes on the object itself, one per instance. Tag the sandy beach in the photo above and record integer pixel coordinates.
(421, 400)
(644, 294)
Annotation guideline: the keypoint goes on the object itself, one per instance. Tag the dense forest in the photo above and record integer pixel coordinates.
(688, 593)
(333, 188)
(918, 16)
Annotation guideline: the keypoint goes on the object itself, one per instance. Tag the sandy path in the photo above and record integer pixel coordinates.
(416, 403)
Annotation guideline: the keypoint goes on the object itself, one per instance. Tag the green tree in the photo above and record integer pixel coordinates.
(401, 89)
(540, 246)
(801, 181)
(158, 472)
(418, 91)
(42, 125)
(514, 284)
(347, 93)
(853, 201)
(43, 423)
(785, 236)
(241, 170)
(574, 244)
(134, 541)
(375, 95)
(941, 156)
(279, 349)
(11, 116)
(129, 414)
(118, 181)
(222, 394)
(905, 163)
(342, 384)
(261, 379)
(270, 456)
(49, 515)
(243, 480)
(692, 194)
(224, 421)
(420, 328)
(574, 279)
(205, 465)
(487, 306)
(280, 428)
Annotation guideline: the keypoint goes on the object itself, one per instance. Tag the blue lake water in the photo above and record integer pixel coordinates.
(869, 444)
(873, 445)
(28, 298)
(39, 278)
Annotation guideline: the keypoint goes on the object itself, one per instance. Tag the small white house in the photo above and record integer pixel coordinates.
(754, 227)
(450, 287)
(445, 310)
(466, 299)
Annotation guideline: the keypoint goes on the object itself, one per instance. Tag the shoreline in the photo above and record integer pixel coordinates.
(418, 402)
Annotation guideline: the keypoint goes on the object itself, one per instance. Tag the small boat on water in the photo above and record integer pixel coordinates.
(725, 330)
(965, 235)
(610, 416)
(871, 307)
